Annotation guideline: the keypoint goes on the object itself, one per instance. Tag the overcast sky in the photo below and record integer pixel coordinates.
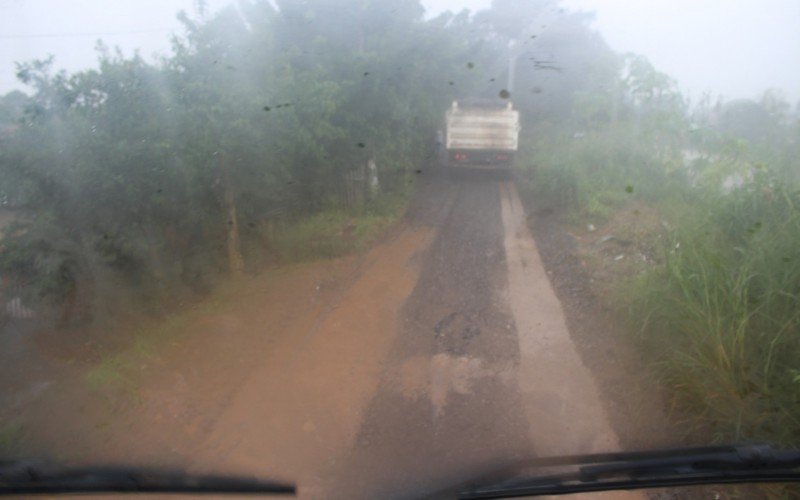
(734, 47)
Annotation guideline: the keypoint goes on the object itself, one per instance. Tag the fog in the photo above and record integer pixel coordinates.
(368, 242)
(734, 48)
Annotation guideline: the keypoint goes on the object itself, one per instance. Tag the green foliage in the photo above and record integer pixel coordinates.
(252, 138)
(327, 234)
(593, 173)
(127, 175)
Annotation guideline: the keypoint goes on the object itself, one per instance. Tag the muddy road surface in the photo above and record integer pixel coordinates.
(446, 356)
(438, 355)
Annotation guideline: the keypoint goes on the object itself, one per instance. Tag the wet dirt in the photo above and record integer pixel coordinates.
(301, 407)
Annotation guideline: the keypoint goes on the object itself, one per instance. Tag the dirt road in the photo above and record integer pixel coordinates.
(447, 355)
(440, 354)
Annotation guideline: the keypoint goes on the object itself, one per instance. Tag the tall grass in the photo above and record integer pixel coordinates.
(723, 312)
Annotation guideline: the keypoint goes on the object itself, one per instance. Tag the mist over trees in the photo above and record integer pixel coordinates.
(148, 181)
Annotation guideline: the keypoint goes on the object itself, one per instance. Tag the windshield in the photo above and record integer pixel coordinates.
(376, 248)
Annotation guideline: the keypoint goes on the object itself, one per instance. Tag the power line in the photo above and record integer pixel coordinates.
(77, 35)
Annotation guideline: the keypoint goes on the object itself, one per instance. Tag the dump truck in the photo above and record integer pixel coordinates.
(481, 132)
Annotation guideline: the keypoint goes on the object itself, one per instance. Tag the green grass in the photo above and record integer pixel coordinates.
(334, 233)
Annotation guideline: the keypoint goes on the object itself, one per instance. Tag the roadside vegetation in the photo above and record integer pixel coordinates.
(270, 133)
(691, 214)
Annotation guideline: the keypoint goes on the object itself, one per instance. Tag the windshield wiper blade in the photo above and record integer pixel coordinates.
(637, 470)
(26, 478)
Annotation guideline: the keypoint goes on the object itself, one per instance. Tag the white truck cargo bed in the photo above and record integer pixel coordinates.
(482, 128)
(481, 133)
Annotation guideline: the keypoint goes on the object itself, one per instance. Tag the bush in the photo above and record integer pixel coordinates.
(594, 173)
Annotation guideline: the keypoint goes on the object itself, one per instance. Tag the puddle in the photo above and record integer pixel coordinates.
(443, 374)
